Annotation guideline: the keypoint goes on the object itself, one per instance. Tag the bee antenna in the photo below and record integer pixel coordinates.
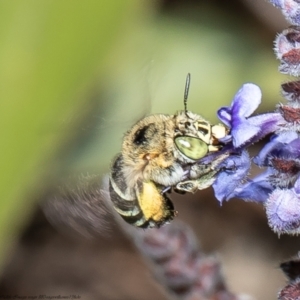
(186, 92)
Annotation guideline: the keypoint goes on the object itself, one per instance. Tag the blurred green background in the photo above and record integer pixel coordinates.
(74, 75)
(50, 54)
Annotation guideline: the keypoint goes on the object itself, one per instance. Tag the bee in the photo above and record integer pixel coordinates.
(155, 154)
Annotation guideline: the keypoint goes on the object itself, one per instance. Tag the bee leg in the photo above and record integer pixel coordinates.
(202, 176)
(181, 192)
(167, 176)
(201, 183)
(190, 186)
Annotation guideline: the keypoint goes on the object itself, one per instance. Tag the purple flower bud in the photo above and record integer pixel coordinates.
(277, 3)
(290, 9)
(282, 45)
(291, 92)
(287, 50)
(282, 155)
(276, 143)
(291, 291)
(283, 211)
(290, 114)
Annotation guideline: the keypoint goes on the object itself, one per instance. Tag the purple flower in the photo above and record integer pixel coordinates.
(278, 185)
(246, 130)
(282, 157)
(233, 171)
(256, 189)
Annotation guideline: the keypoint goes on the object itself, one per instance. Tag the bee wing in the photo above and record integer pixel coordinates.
(79, 207)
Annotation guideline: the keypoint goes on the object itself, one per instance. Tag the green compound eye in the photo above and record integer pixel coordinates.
(191, 147)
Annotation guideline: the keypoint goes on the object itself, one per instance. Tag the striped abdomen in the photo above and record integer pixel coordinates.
(142, 206)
